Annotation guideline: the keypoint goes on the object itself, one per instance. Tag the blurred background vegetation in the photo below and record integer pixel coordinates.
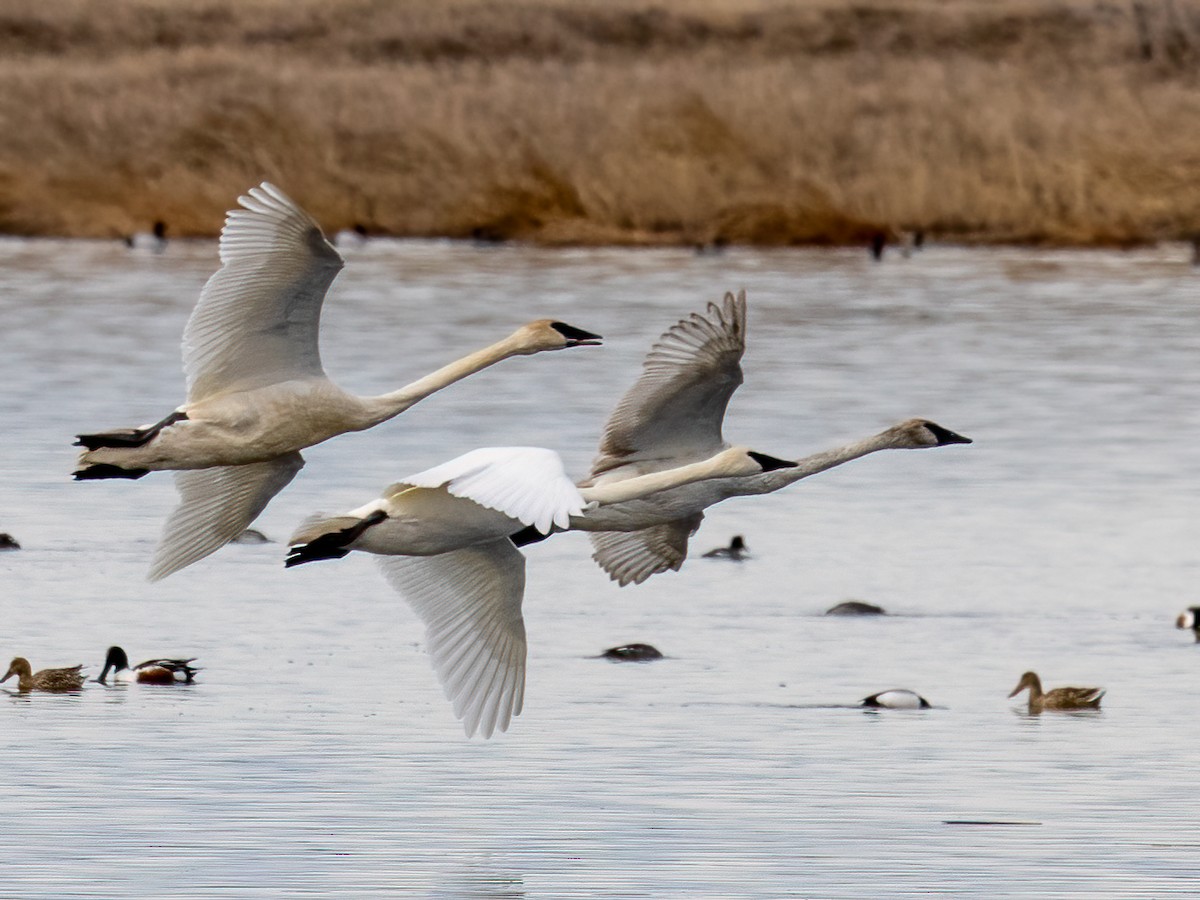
(609, 121)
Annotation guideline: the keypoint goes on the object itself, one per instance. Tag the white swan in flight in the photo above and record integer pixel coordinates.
(443, 539)
(257, 393)
(672, 416)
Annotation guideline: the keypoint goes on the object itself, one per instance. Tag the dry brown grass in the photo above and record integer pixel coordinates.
(1074, 121)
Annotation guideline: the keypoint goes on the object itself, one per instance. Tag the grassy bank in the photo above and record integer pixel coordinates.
(623, 121)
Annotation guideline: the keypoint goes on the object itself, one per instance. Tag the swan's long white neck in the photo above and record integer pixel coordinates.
(385, 406)
(812, 465)
(722, 465)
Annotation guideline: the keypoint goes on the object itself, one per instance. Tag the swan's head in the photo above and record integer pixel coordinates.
(1028, 680)
(738, 461)
(916, 434)
(19, 667)
(550, 334)
(116, 660)
(1190, 618)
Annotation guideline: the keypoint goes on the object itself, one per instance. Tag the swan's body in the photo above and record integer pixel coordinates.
(257, 393)
(443, 538)
(152, 671)
(672, 416)
(1057, 698)
(51, 680)
(895, 699)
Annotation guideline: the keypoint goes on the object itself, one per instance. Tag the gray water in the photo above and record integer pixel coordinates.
(317, 757)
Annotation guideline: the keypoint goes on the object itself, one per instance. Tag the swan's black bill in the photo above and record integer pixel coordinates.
(946, 436)
(576, 337)
(770, 463)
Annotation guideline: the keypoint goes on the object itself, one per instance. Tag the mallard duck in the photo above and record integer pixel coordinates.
(737, 550)
(1058, 698)
(896, 699)
(152, 671)
(54, 680)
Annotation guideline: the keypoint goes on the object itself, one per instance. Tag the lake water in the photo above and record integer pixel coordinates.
(317, 756)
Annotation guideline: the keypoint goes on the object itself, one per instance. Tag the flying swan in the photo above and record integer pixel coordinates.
(257, 394)
(672, 416)
(443, 540)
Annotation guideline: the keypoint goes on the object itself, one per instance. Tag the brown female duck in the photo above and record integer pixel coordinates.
(1058, 698)
(55, 680)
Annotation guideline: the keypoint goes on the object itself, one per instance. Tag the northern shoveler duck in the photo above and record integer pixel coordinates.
(53, 680)
(895, 699)
(632, 653)
(1058, 698)
(152, 671)
(736, 550)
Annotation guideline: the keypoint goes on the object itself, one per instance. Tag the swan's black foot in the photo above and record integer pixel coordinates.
(333, 545)
(127, 437)
(107, 470)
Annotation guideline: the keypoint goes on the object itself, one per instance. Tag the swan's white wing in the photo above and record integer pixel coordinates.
(630, 557)
(675, 409)
(259, 314)
(215, 506)
(470, 602)
(527, 483)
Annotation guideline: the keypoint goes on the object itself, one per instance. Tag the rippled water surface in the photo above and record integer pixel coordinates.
(317, 757)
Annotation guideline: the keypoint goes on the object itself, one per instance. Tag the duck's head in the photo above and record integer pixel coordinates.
(1028, 680)
(116, 660)
(738, 543)
(1189, 618)
(19, 667)
(917, 434)
(551, 334)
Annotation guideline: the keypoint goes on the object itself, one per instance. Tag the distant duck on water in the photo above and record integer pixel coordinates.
(855, 608)
(8, 542)
(895, 699)
(737, 550)
(152, 671)
(56, 681)
(155, 240)
(1058, 698)
(632, 653)
(1190, 618)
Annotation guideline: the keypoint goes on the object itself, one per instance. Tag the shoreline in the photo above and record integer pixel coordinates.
(701, 123)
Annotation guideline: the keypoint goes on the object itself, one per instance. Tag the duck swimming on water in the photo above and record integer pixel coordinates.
(737, 550)
(896, 699)
(1057, 698)
(152, 671)
(55, 681)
